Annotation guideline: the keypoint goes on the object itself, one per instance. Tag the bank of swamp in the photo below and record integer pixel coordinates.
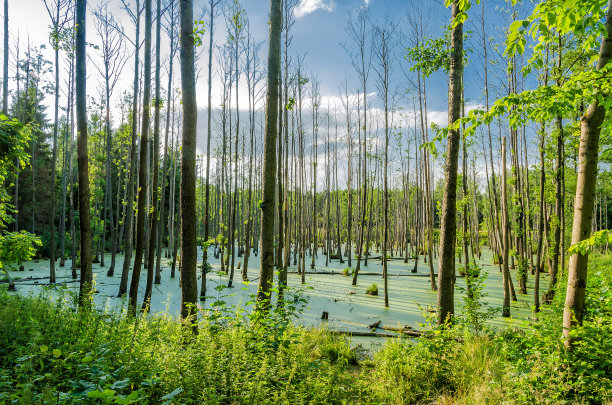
(50, 352)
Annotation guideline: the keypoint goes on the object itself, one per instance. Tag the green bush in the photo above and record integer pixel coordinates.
(49, 351)
(372, 290)
(52, 353)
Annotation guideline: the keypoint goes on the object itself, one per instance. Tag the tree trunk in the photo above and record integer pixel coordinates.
(448, 224)
(506, 239)
(142, 172)
(538, 269)
(590, 128)
(66, 158)
(129, 216)
(6, 60)
(53, 170)
(163, 214)
(559, 201)
(82, 158)
(208, 139)
(269, 171)
(154, 212)
(189, 252)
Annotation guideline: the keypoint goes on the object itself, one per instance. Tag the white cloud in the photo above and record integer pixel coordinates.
(309, 6)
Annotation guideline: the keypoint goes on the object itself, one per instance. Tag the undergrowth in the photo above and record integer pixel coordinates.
(52, 353)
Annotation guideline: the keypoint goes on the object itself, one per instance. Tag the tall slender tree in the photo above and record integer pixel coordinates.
(82, 158)
(129, 215)
(590, 129)
(361, 60)
(505, 234)
(113, 57)
(142, 172)
(211, 23)
(448, 224)
(189, 252)
(5, 60)
(59, 17)
(269, 166)
(155, 207)
(171, 15)
(384, 37)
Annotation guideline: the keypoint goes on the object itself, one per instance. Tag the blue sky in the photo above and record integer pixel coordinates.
(319, 33)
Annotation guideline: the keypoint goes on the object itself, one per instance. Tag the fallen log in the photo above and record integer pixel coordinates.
(374, 325)
(360, 334)
(406, 330)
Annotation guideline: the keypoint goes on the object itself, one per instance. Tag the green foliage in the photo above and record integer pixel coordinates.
(372, 290)
(63, 39)
(198, 32)
(558, 17)
(290, 104)
(14, 139)
(326, 346)
(50, 353)
(581, 20)
(476, 312)
(17, 247)
(412, 373)
(598, 239)
(463, 6)
(529, 365)
(431, 55)
(347, 271)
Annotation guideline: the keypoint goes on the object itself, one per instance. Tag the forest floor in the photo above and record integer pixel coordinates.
(326, 289)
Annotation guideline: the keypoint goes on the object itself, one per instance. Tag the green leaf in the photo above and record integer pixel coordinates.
(171, 395)
(120, 384)
(106, 394)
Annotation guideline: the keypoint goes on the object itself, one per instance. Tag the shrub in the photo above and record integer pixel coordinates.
(372, 290)
(49, 351)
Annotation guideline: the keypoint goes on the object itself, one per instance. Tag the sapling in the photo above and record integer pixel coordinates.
(476, 311)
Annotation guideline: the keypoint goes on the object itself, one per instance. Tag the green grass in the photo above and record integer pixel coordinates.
(50, 353)
(372, 290)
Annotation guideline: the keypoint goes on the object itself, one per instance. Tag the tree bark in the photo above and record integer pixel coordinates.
(556, 251)
(82, 158)
(142, 172)
(506, 239)
(153, 224)
(213, 3)
(590, 128)
(6, 60)
(448, 224)
(189, 252)
(129, 215)
(269, 170)
(53, 166)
